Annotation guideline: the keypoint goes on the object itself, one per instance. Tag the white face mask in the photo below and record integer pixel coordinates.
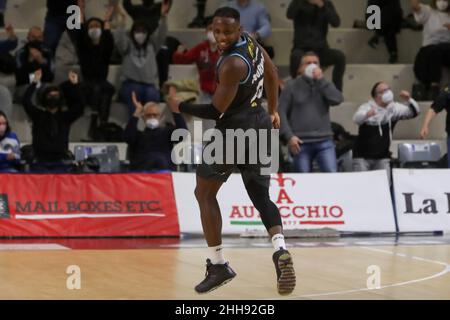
(152, 123)
(2, 129)
(442, 5)
(140, 37)
(387, 97)
(309, 71)
(95, 33)
(210, 37)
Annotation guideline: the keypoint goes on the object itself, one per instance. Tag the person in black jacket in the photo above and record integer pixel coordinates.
(148, 12)
(31, 57)
(391, 24)
(150, 149)
(311, 20)
(96, 44)
(51, 123)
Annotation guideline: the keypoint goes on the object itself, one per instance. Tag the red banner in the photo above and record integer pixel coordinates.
(87, 205)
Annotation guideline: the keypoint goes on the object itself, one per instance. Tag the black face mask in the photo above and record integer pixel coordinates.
(53, 102)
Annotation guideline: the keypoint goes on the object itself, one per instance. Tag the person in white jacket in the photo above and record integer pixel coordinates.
(377, 119)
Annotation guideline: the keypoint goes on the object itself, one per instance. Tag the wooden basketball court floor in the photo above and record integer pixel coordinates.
(334, 271)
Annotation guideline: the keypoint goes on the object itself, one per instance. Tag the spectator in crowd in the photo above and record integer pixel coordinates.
(10, 43)
(254, 19)
(9, 146)
(148, 12)
(118, 16)
(31, 57)
(199, 20)
(97, 45)
(2, 12)
(56, 21)
(305, 117)
(391, 24)
(311, 20)
(377, 119)
(6, 102)
(435, 51)
(440, 103)
(51, 123)
(139, 69)
(205, 55)
(7, 61)
(150, 149)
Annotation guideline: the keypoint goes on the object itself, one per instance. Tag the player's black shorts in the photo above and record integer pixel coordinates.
(250, 169)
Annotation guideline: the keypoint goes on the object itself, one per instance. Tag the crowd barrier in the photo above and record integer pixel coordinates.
(163, 205)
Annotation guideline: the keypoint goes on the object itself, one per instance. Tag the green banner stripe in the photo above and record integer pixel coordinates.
(247, 223)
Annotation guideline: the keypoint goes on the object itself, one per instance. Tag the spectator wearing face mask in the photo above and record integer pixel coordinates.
(98, 43)
(139, 68)
(305, 117)
(435, 51)
(51, 123)
(312, 19)
(205, 55)
(31, 57)
(150, 149)
(377, 119)
(9, 147)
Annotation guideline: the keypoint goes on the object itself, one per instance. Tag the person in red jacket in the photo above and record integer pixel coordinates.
(205, 55)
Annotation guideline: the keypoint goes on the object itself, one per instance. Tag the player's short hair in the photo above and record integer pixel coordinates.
(227, 12)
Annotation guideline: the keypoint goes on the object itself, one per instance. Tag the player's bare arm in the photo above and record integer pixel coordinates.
(271, 86)
(231, 73)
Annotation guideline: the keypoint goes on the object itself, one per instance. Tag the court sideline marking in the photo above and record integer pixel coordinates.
(436, 275)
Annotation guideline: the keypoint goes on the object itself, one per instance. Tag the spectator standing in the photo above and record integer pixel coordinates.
(391, 24)
(305, 117)
(435, 51)
(376, 120)
(31, 57)
(56, 21)
(52, 123)
(311, 21)
(199, 20)
(139, 69)
(205, 55)
(98, 44)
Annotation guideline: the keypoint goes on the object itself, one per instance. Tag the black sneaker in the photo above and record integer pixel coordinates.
(285, 271)
(216, 276)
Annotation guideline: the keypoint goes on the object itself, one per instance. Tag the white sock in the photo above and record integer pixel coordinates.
(278, 242)
(216, 255)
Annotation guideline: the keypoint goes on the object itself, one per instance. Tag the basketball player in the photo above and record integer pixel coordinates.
(242, 71)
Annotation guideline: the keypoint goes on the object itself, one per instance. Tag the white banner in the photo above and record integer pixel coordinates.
(422, 199)
(342, 201)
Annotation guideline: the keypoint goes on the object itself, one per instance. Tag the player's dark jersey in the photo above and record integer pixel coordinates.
(250, 92)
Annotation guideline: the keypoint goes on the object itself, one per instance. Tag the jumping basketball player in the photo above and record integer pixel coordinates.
(242, 71)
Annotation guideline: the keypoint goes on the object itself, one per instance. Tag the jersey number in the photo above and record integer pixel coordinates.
(258, 94)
